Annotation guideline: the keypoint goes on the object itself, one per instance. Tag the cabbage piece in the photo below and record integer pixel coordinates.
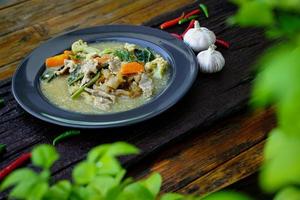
(81, 46)
(158, 67)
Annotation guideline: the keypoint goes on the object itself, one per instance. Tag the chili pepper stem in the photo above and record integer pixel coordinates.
(172, 22)
(65, 135)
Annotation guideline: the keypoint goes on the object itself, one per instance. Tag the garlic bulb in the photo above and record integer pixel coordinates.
(199, 38)
(210, 61)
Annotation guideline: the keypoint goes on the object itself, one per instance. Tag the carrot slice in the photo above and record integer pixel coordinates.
(131, 68)
(58, 60)
(103, 59)
(67, 52)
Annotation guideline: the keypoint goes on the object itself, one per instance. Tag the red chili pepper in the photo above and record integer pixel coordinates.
(191, 25)
(179, 37)
(222, 43)
(172, 22)
(193, 12)
(15, 164)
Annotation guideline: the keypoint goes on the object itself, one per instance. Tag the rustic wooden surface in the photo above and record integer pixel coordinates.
(196, 152)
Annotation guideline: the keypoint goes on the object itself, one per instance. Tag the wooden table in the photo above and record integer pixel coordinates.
(204, 160)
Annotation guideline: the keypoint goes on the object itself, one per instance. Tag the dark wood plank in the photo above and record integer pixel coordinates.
(226, 174)
(250, 187)
(211, 159)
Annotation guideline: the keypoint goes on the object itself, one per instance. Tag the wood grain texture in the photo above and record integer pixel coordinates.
(24, 40)
(237, 168)
(4, 4)
(176, 143)
(212, 159)
(21, 15)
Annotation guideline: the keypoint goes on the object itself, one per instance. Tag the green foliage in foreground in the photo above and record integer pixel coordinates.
(278, 84)
(99, 177)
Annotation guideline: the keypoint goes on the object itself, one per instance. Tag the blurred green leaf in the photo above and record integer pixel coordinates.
(103, 184)
(290, 193)
(38, 191)
(153, 183)
(226, 195)
(135, 191)
(18, 176)
(84, 172)
(120, 176)
(282, 165)
(253, 13)
(115, 149)
(279, 75)
(286, 26)
(288, 5)
(278, 83)
(59, 191)
(79, 193)
(44, 156)
(172, 196)
(108, 165)
(23, 189)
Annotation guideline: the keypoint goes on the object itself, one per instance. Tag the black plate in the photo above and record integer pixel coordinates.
(25, 83)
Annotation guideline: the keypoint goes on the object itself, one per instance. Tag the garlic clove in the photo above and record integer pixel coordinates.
(199, 38)
(210, 60)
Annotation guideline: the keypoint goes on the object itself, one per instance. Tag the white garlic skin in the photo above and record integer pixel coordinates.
(210, 61)
(199, 38)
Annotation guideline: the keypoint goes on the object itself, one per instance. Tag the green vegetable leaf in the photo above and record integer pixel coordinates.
(60, 191)
(97, 152)
(245, 16)
(120, 176)
(108, 165)
(115, 149)
(144, 55)
(153, 183)
(281, 167)
(103, 184)
(38, 190)
(44, 156)
(287, 24)
(172, 196)
(288, 5)
(48, 75)
(80, 193)
(106, 51)
(226, 195)
(23, 189)
(123, 54)
(136, 191)
(84, 173)
(121, 149)
(75, 76)
(18, 176)
(290, 193)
